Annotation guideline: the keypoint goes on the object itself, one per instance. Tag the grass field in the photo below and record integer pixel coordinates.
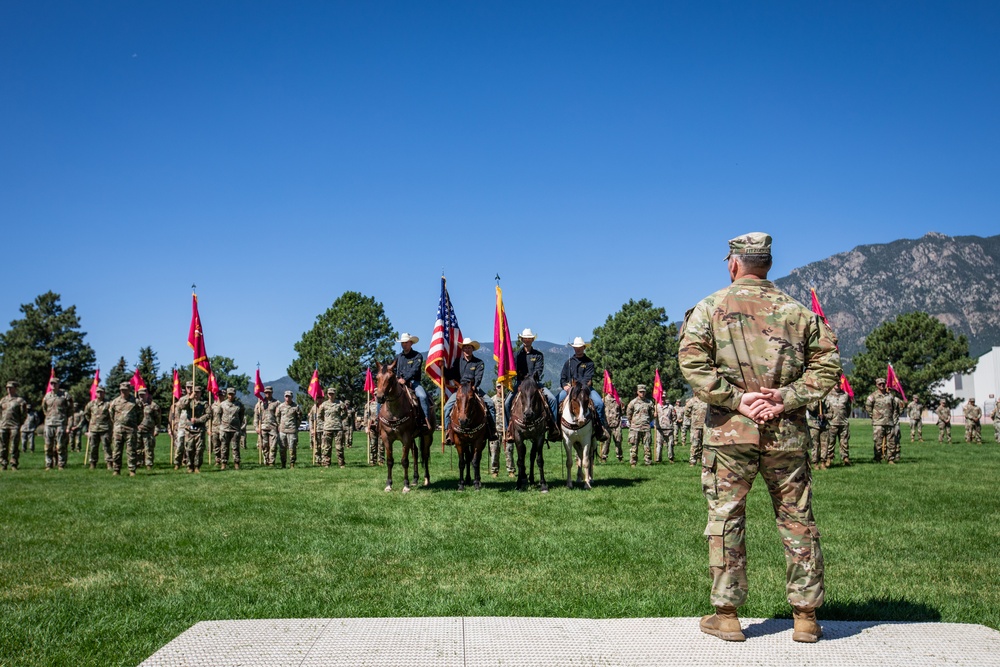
(97, 570)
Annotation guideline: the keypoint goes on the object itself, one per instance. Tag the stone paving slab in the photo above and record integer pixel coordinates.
(576, 642)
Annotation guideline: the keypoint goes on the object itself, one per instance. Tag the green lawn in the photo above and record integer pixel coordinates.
(96, 570)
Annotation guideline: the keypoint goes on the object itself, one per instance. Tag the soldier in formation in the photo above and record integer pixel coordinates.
(289, 417)
(640, 414)
(501, 441)
(330, 419)
(943, 413)
(232, 423)
(817, 424)
(757, 425)
(666, 419)
(76, 431)
(216, 430)
(13, 415)
(266, 425)
(98, 418)
(884, 408)
(314, 429)
(915, 411)
(193, 418)
(126, 415)
(148, 427)
(837, 406)
(686, 422)
(613, 412)
(57, 406)
(995, 416)
(182, 415)
(28, 431)
(699, 414)
(973, 424)
(352, 416)
(376, 448)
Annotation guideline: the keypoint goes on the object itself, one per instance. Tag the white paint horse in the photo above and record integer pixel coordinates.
(576, 420)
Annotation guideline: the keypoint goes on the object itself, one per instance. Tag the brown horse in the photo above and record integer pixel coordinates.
(400, 420)
(577, 417)
(528, 423)
(467, 428)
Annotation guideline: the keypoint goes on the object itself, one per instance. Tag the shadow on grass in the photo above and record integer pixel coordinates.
(854, 617)
(508, 485)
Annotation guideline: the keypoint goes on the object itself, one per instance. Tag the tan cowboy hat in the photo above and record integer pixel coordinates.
(407, 338)
(527, 333)
(578, 342)
(469, 341)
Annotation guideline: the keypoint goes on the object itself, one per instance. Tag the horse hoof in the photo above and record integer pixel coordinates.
(388, 489)
(427, 481)
(586, 486)
(461, 487)
(544, 489)
(478, 486)
(569, 485)
(406, 489)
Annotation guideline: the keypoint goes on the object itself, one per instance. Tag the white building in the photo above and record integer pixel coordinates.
(983, 384)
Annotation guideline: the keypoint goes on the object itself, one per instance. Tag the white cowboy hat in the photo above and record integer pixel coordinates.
(407, 338)
(469, 341)
(527, 333)
(578, 342)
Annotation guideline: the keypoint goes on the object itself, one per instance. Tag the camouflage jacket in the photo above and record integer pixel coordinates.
(332, 416)
(150, 417)
(78, 419)
(943, 414)
(639, 414)
(664, 416)
(815, 417)
(699, 413)
(752, 335)
(914, 411)
(372, 412)
(232, 416)
(995, 415)
(125, 412)
(973, 413)
(289, 417)
(612, 411)
(13, 412)
(686, 412)
(216, 411)
(98, 417)
(263, 415)
(838, 408)
(190, 408)
(57, 406)
(884, 409)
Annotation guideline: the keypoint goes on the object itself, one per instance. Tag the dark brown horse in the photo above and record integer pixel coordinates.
(400, 420)
(468, 433)
(528, 423)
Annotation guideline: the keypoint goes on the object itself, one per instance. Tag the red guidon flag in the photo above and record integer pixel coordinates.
(95, 384)
(213, 385)
(136, 381)
(846, 386)
(657, 388)
(196, 337)
(609, 388)
(369, 381)
(48, 385)
(178, 391)
(816, 308)
(258, 386)
(315, 390)
(892, 382)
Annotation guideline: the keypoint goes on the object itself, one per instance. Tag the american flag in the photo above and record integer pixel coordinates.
(446, 341)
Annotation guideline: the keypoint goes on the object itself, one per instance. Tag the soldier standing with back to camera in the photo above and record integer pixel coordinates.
(665, 420)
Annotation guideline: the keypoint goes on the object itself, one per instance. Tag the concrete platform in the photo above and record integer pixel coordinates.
(553, 642)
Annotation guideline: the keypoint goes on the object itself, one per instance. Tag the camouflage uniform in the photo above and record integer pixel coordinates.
(686, 422)
(289, 416)
(665, 420)
(13, 413)
(57, 406)
(28, 432)
(884, 408)
(995, 416)
(125, 416)
(943, 413)
(837, 406)
(376, 450)
(267, 428)
(216, 436)
(678, 421)
(349, 431)
(748, 336)
(331, 416)
(192, 418)
(98, 429)
(314, 431)
(973, 425)
(613, 411)
(915, 411)
(508, 447)
(816, 421)
(699, 415)
(148, 429)
(232, 422)
(76, 432)
(639, 413)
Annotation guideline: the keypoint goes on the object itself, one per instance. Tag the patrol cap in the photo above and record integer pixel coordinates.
(268, 389)
(287, 393)
(189, 385)
(641, 387)
(123, 385)
(331, 390)
(54, 380)
(754, 243)
(143, 391)
(880, 381)
(230, 391)
(100, 390)
(198, 388)
(11, 384)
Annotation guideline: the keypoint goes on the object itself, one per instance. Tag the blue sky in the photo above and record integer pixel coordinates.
(278, 154)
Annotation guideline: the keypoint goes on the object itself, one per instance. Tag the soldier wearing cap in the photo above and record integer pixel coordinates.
(580, 368)
(232, 421)
(884, 407)
(943, 413)
(76, 431)
(699, 415)
(529, 362)
(640, 414)
(973, 424)
(501, 443)
(28, 431)
(266, 425)
(758, 357)
(13, 414)
(57, 406)
(182, 416)
(409, 369)
(468, 368)
(148, 427)
(915, 411)
(193, 420)
(289, 417)
(665, 421)
(126, 416)
(613, 413)
(837, 406)
(315, 428)
(331, 417)
(216, 436)
(678, 422)
(98, 428)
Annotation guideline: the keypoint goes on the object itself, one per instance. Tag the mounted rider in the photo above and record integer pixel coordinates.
(580, 368)
(409, 369)
(469, 368)
(530, 362)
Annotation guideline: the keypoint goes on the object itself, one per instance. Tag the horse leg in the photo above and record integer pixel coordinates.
(587, 467)
(578, 446)
(415, 449)
(521, 477)
(477, 461)
(569, 462)
(407, 445)
(589, 457)
(388, 464)
(460, 450)
(425, 454)
(539, 446)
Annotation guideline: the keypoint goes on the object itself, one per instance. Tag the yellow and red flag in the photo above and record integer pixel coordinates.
(315, 390)
(846, 386)
(892, 382)
(609, 387)
(95, 384)
(657, 388)
(178, 392)
(48, 385)
(369, 381)
(258, 386)
(196, 337)
(503, 349)
(213, 385)
(136, 381)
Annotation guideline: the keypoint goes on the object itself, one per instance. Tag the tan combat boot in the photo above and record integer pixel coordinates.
(723, 624)
(806, 628)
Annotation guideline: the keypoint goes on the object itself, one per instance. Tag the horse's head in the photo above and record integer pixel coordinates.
(385, 380)
(531, 405)
(578, 402)
(468, 410)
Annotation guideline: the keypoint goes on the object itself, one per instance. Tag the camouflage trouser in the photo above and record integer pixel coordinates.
(817, 444)
(376, 450)
(331, 440)
(75, 440)
(508, 449)
(616, 437)
(229, 440)
(974, 432)
(56, 444)
(180, 447)
(677, 434)
(288, 443)
(916, 430)
(28, 439)
(216, 445)
(125, 439)
(661, 437)
(638, 437)
(147, 446)
(685, 433)
(267, 442)
(886, 444)
(944, 432)
(841, 432)
(345, 442)
(10, 447)
(194, 448)
(697, 437)
(726, 477)
(97, 441)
